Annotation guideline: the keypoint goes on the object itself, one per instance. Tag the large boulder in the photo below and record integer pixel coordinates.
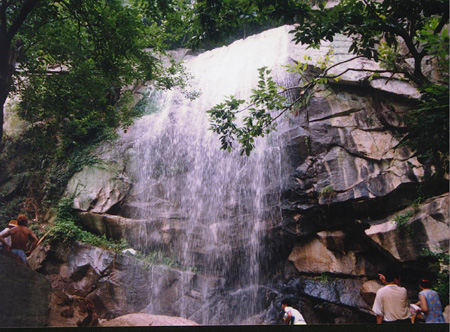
(315, 257)
(351, 155)
(427, 227)
(114, 284)
(98, 188)
(139, 319)
(25, 295)
(28, 300)
(369, 290)
(144, 235)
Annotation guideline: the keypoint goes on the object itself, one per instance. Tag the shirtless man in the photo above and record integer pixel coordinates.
(20, 237)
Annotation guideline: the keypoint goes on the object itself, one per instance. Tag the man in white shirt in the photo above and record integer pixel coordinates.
(391, 302)
(292, 316)
(12, 224)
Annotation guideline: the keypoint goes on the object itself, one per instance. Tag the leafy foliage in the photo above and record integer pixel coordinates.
(428, 123)
(214, 23)
(266, 100)
(440, 270)
(429, 127)
(369, 22)
(401, 221)
(173, 15)
(257, 123)
(66, 230)
(327, 192)
(77, 64)
(70, 79)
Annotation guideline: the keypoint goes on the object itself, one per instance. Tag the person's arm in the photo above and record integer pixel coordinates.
(379, 319)
(35, 240)
(2, 238)
(377, 308)
(423, 304)
(288, 317)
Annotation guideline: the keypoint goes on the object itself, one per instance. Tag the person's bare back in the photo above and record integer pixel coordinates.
(20, 236)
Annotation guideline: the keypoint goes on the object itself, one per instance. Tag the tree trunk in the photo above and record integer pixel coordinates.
(6, 72)
(7, 52)
(3, 97)
(7, 63)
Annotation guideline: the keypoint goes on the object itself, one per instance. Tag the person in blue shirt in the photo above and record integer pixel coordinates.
(430, 303)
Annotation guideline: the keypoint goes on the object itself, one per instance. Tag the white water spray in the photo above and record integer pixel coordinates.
(222, 201)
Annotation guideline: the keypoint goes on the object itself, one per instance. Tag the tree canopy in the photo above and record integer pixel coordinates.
(71, 67)
(70, 60)
(371, 24)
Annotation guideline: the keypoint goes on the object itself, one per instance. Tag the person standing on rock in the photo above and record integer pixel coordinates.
(20, 238)
(391, 301)
(292, 316)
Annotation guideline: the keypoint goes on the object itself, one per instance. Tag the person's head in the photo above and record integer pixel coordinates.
(22, 220)
(13, 223)
(424, 284)
(391, 275)
(286, 302)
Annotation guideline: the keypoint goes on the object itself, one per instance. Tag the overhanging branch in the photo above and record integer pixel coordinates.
(26, 9)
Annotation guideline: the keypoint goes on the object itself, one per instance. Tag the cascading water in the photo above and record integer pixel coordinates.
(221, 202)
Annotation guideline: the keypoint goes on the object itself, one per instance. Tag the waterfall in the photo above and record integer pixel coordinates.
(222, 202)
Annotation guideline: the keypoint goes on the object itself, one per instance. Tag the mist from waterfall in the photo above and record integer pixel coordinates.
(222, 201)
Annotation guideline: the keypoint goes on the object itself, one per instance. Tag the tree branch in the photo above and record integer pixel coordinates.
(372, 10)
(3, 20)
(342, 62)
(26, 9)
(364, 70)
(442, 23)
(305, 89)
(45, 72)
(77, 15)
(3, 16)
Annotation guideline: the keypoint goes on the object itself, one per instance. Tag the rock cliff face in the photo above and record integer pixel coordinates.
(346, 198)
